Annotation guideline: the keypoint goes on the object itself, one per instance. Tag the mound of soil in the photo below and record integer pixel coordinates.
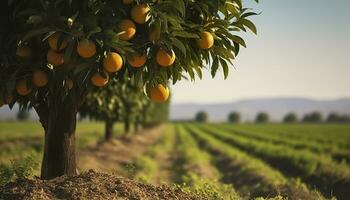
(89, 185)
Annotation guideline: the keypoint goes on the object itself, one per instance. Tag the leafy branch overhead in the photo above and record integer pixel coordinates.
(62, 48)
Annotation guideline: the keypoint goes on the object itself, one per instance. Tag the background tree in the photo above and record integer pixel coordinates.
(22, 115)
(234, 117)
(53, 53)
(101, 105)
(201, 116)
(314, 117)
(336, 118)
(290, 118)
(262, 117)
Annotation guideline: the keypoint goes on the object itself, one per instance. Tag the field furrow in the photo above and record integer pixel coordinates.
(156, 164)
(337, 154)
(249, 175)
(320, 171)
(197, 172)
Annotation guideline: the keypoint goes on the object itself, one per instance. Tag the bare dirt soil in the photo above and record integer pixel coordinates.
(89, 185)
(116, 155)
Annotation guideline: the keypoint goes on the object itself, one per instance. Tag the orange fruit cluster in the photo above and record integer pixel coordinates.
(54, 56)
(113, 62)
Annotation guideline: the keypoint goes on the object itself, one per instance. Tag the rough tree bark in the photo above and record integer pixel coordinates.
(59, 122)
(59, 150)
(108, 130)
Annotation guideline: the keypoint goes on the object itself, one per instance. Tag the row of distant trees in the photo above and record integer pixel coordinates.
(263, 117)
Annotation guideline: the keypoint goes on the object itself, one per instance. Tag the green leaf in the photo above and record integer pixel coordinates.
(224, 67)
(184, 34)
(250, 25)
(36, 32)
(179, 45)
(214, 67)
(238, 40)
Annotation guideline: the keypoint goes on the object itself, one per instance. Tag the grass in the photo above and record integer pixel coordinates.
(21, 139)
(258, 160)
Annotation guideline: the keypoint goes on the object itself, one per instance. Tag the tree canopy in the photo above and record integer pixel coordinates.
(51, 46)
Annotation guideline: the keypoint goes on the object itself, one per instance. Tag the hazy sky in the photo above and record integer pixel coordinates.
(302, 49)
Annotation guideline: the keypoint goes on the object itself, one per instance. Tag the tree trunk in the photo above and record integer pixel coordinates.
(126, 125)
(59, 150)
(108, 130)
(136, 127)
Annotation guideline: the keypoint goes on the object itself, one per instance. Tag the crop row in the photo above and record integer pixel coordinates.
(315, 169)
(249, 175)
(330, 134)
(147, 166)
(197, 172)
(337, 153)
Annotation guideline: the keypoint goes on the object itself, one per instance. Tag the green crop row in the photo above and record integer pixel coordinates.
(146, 164)
(325, 134)
(330, 149)
(199, 175)
(250, 175)
(318, 170)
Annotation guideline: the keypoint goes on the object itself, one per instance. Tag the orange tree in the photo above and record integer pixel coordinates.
(54, 52)
(121, 101)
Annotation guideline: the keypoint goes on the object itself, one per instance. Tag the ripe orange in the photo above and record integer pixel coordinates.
(164, 59)
(69, 83)
(113, 62)
(22, 87)
(40, 78)
(129, 29)
(154, 36)
(98, 80)
(8, 99)
(159, 94)
(206, 41)
(137, 60)
(127, 2)
(86, 48)
(54, 58)
(140, 13)
(53, 42)
(24, 52)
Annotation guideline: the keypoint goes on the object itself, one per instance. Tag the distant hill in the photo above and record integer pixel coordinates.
(276, 107)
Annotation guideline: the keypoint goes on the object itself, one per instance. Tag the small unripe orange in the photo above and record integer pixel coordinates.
(53, 42)
(40, 78)
(137, 60)
(165, 59)
(113, 62)
(22, 87)
(98, 80)
(159, 93)
(86, 48)
(128, 28)
(54, 58)
(140, 13)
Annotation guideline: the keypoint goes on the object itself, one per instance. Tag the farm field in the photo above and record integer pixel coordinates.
(220, 161)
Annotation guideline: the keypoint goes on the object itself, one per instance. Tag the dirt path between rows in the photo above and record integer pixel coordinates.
(114, 156)
(165, 173)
